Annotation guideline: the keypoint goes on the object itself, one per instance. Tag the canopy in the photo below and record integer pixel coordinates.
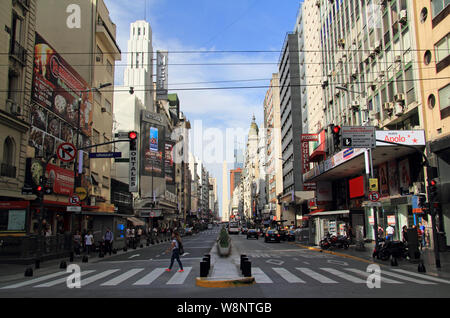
(136, 221)
(318, 213)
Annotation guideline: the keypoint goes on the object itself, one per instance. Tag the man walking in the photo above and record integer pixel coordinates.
(390, 233)
(108, 241)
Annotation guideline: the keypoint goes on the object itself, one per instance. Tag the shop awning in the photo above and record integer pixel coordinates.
(319, 213)
(136, 221)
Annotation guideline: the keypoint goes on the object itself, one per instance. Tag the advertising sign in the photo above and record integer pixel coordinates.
(169, 165)
(394, 187)
(56, 90)
(61, 179)
(161, 75)
(405, 178)
(383, 176)
(415, 205)
(153, 150)
(305, 156)
(404, 137)
(391, 219)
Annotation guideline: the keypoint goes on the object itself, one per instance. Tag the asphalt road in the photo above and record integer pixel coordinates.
(281, 270)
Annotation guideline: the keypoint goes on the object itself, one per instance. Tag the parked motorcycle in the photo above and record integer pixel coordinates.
(385, 250)
(333, 241)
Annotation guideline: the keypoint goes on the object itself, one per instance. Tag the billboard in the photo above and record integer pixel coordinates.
(162, 83)
(56, 91)
(152, 150)
(169, 164)
(61, 179)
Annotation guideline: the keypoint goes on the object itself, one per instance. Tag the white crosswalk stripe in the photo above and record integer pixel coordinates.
(260, 276)
(366, 274)
(179, 278)
(151, 277)
(36, 280)
(345, 276)
(287, 275)
(120, 279)
(418, 281)
(435, 279)
(94, 278)
(316, 276)
(61, 280)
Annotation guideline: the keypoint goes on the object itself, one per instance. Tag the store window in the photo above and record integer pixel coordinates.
(13, 219)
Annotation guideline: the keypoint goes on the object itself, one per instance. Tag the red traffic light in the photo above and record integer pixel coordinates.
(336, 129)
(433, 183)
(132, 135)
(39, 188)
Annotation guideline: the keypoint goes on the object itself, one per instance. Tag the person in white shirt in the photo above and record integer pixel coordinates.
(88, 241)
(390, 233)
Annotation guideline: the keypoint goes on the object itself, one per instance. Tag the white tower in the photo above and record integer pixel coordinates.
(139, 71)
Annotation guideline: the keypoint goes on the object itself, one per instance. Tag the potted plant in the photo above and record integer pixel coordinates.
(224, 243)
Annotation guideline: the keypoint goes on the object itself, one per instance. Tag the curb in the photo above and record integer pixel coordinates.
(215, 283)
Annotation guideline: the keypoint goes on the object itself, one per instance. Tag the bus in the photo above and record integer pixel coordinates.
(233, 227)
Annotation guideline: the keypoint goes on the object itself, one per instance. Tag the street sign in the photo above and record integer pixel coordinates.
(74, 208)
(122, 135)
(122, 160)
(66, 152)
(81, 192)
(358, 137)
(74, 199)
(373, 184)
(374, 196)
(105, 155)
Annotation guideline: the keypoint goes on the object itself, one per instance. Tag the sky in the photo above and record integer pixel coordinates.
(206, 25)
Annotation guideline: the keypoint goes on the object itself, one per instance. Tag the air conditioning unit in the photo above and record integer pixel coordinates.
(373, 85)
(398, 59)
(324, 82)
(103, 109)
(400, 98)
(377, 46)
(366, 57)
(341, 43)
(355, 105)
(403, 16)
(338, 93)
(354, 72)
(372, 52)
(398, 109)
(98, 58)
(318, 3)
(381, 76)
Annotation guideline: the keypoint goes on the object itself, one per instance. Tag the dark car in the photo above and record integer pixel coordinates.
(272, 236)
(252, 233)
(283, 234)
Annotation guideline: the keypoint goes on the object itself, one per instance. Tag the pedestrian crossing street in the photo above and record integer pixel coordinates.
(274, 275)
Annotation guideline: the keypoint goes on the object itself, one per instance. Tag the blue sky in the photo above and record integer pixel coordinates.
(233, 25)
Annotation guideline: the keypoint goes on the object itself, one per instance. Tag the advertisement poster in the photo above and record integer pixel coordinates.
(383, 180)
(405, 177)
(16, 220)
(391, 219)
(62, 179)
(169, 164)
(161, 74)
(57, 87)
(153, 149)
(394, 188)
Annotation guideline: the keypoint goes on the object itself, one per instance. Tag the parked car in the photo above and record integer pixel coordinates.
(252, 233)
(272, 236)
(244, 230)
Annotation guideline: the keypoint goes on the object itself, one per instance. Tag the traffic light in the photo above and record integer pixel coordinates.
(336, 131)
(433, 190)
(133, 136)
(39, 192)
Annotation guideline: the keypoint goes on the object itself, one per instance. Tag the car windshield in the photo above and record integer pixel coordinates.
(272, 232)
(252, 230)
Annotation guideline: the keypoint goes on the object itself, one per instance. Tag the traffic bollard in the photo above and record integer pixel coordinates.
(247, 268)
(29, 272)
(205, 259)
(71, 257)
(203, 269)
(85, 259)
(243, 259)
(63, 265)
(209, 259)
(37, 264)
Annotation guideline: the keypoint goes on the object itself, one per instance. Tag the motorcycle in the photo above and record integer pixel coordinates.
(385, 250)
(330, 241)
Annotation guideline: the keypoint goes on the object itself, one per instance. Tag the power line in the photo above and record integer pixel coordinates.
(228, 88)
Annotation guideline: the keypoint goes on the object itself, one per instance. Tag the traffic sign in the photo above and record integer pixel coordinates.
(74, 199)
(358, 137)
(374, 196)
(81, 192)
(66, 152)
(373, 184)
(73, 208)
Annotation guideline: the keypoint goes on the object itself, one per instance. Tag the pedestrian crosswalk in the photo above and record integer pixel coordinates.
(264, 276)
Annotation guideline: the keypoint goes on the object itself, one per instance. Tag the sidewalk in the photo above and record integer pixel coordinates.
(427, 257)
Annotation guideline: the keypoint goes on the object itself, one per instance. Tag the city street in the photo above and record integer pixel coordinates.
(281, 270)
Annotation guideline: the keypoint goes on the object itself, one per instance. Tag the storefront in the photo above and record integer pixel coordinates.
(323, 222)
(14, 217)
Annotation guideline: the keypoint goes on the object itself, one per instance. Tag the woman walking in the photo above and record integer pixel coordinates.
(175, 246)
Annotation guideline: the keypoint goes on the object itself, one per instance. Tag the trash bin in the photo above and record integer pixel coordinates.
(442, 241)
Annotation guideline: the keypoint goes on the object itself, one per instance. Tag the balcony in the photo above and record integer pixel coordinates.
(7, 171)
(18, 52)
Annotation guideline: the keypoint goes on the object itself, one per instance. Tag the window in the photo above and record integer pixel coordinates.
(442, 48)
(99, 57)
(7, 167)
(444, 97)
(96, 137)
(107, 106)
(109, 66)
(409, 83)
(438, 5)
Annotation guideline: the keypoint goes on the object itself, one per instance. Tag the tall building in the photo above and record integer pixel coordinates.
(16, 46)
(250, 175)
(370, 78)
(432, 21)
(225, 198)
(235, 179)
(238, 158)
(274, 167)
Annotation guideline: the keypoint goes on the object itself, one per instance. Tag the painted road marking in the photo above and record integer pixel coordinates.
(94, 278)
(61, 280)
(260, 277)
(423, 276)
(418, 281)
(344, 275)
(179, 278)
(36, 280)
(149, 278)
(366, 274)
(121, 278)
(288, 276)
(316, 276)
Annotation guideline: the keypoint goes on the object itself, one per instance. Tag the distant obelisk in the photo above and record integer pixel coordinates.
(225, 199)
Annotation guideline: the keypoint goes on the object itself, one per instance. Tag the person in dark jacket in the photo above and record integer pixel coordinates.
(405, 234)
